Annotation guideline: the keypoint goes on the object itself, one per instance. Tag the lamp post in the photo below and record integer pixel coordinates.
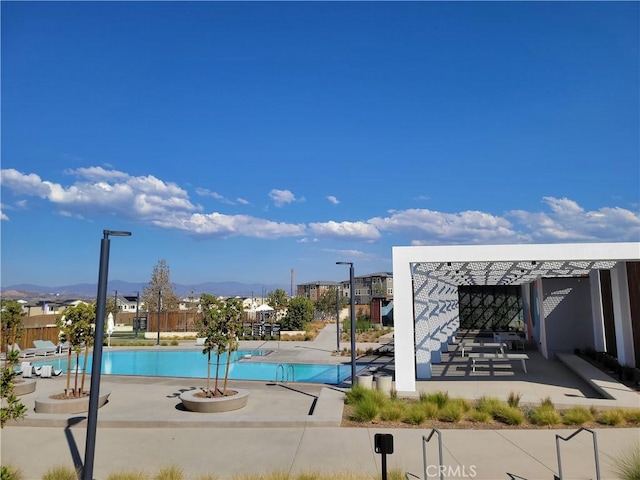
(115, 306)
(337, 320)
(137, 321)
(352, 322)
(94, 393)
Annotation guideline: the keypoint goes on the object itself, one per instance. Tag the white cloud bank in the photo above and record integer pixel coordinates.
(147, 199)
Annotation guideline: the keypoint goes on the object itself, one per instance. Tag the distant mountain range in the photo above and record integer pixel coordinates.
(89, 290)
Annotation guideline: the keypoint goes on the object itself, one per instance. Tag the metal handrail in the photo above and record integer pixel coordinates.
(285, 373)
(595, 450)
(425, 440)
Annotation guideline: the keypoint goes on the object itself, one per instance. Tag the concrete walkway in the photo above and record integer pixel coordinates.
(294, 428)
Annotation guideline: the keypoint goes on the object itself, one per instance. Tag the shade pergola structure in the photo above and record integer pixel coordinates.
(574, 295)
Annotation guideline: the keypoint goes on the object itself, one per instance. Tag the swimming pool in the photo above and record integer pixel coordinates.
(193, 363)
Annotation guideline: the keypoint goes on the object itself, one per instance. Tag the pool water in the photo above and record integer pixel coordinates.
(193, 363)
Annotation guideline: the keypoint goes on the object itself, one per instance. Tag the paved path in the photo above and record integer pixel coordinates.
(294, 428)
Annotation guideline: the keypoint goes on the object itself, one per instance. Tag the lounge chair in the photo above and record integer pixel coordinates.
(200, 341)
(45, 347)
(47, 371)
(26, 353)
(26, 369)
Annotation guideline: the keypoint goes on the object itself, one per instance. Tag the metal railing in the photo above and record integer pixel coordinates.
(285, 373)
(425, 463)
(595, 450)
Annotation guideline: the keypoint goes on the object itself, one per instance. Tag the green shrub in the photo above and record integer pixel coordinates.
(171, 472)
(61, 473)
(415, 414)
(514, 399)
(547, 403)
(366, 410)
(392, 411)
(452, 412)
(544, 415)
(611, 417)
(354, 395)
(175, 343)
(439, 398)
(478, 416)
(128, 476)
(576, 416)
(9, 472)
(632, 415)
(627, 464)
(509, 415)
(489, 404)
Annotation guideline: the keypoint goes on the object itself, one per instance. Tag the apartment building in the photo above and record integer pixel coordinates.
(367, 287)
(314, 290)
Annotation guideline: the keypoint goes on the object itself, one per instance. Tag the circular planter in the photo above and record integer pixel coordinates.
(27, 385)
(364, 380)
(46, 404)
(194, 403)
(384, 383)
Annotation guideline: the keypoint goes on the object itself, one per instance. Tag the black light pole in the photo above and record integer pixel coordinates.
(94, 393)
(159, 308)
(137, 320)
(352, 321)
(115, 306)
(337, 320)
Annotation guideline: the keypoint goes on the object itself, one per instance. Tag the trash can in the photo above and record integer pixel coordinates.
(364, 380)
(384, 383)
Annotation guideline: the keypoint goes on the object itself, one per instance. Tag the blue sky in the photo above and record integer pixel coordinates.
(239, 140)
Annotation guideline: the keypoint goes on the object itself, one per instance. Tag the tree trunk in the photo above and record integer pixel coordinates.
(208, 373)
(215, 387)
(75, 382)
(68, 370)
(226, 372)
(84, 366)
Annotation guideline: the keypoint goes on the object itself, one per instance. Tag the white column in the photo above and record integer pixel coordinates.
(622, 314)
(404, 348)
(597, 315)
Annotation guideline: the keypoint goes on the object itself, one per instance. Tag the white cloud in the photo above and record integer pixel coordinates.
(281, 197)
(204, 192)
(355, 230)
(104, 191)
(435, 227)
(3, 216)
(333, 200)
(242, 201)
(567, 221)
(97, 173)
(217, 224)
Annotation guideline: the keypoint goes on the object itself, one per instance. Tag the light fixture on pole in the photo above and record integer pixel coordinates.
(352, 321)
(94, 393)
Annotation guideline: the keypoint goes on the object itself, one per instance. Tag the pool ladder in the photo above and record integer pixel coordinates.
(285, 373)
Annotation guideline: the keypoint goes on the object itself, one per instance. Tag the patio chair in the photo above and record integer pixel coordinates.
(45, 347)
(46, 371)
(26, 369)
(26, 353)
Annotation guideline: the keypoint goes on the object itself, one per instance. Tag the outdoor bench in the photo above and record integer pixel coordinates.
(523, 357)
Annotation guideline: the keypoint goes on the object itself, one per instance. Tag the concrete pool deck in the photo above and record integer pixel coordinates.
(295, 428)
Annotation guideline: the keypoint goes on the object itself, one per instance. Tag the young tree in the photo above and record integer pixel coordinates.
(11, 320)
(221, 320)
(75, 328)
(160, 282)
(278, 300)
(327, 303)
(299, 313)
